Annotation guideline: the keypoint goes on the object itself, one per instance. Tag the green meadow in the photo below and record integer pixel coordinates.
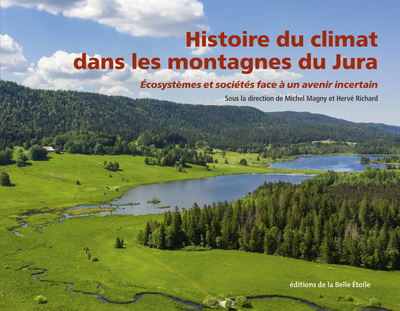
(52, 184)
(190, 276)
(71, 261)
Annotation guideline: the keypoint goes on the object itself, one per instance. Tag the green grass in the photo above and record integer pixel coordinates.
(51, 185)
(190, 276)
(45, 188)
(278, 304)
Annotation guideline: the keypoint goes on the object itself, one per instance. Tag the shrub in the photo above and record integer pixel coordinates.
(111, 166)
(348, 298)
(242, 301)
(37, 152)
(374, 303)
(5, 179)
(228, 303)
(196, 248)
(21, 158)
(41, 299)
(211, 301)
(360, 303)
(6, 156)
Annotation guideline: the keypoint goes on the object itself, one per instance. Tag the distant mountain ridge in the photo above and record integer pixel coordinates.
(28, 113)
(388, 128)
(307, 117)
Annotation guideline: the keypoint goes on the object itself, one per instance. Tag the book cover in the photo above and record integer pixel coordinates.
(161, 155)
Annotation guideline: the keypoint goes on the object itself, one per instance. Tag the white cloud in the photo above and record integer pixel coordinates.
(222, 101)
(191, 75)
(164, 75)
(145, 94)
(135, 17)
(12, 59)
(219, 101)
(116, 90)
(58, 72)
(199, 50)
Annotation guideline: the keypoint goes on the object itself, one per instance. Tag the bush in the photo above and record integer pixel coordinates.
(348, 298)
(5, 179)
(196, 248)
(211, 301)
(228, 303)
(111, 166)
(41, 299)
(242, 301)
(360, 303)
(37, 152)
(374, 303)
(21, 158)
(6, 156)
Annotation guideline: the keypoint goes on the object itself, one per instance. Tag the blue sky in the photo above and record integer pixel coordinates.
(41, 38)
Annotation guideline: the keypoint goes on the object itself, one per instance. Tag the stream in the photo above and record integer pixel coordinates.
(192, 306)
(202, 191)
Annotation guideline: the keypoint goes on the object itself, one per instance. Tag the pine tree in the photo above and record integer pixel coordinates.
(146, 234)
(119, 243)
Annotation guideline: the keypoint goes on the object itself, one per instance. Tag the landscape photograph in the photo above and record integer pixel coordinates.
(199, 155)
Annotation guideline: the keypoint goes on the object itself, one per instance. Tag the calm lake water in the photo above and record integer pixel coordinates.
(227, 187)
(324, 163)
(184, 193)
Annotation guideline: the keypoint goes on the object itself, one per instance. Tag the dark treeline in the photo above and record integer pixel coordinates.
(389, 161)
(283, 150)
(386, 160)
(163, 147)
(336, 218)
(45, 116)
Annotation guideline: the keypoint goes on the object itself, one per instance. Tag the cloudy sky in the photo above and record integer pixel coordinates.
(40, 39)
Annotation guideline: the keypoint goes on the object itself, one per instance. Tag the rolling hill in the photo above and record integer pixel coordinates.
(28, 114)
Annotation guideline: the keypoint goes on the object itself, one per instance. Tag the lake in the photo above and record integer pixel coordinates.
(324, 163)
(184, 193)
(227, 187)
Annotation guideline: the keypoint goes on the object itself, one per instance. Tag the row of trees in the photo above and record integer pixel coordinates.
(386, 160)
(284, 150)
(35, 153)
(170, 156)
(344, 219)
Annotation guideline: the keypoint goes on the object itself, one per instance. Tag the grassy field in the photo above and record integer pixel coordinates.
(52, 184)
(53, 260)
(191, 276)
